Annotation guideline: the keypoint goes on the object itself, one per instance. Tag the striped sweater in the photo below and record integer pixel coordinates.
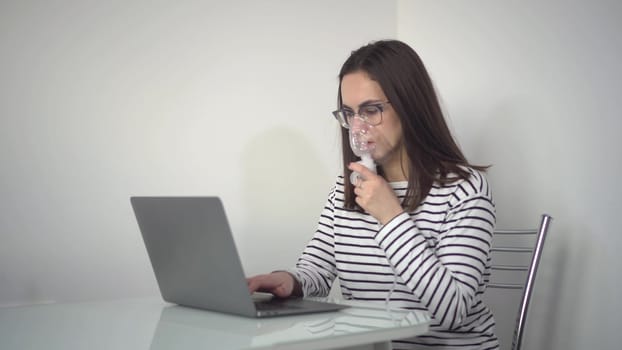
(440, 255)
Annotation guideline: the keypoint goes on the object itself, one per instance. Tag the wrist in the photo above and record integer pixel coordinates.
(296, 285)
(389, 217)
(297, 290)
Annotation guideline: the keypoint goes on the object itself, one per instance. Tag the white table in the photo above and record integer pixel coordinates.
(153, 324)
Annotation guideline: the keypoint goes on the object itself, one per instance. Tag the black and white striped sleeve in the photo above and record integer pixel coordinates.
(316, 268)
(445, 277)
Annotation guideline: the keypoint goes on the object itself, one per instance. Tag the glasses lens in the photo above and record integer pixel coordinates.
(348, 116)
(341, 117)
(372, 115)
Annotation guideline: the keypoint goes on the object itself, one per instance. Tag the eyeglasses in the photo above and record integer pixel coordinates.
(370, 114)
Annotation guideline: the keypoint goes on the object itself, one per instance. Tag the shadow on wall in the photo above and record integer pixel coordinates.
(285, 187)
(519, 145)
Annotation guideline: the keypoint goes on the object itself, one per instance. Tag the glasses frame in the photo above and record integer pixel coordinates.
(338, 114)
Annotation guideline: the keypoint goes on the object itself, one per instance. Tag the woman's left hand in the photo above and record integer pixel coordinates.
(375, 195)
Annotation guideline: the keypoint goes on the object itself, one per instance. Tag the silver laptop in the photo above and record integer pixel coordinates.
(195, 260)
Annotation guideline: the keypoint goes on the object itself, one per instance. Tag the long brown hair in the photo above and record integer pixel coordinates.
(431, 149)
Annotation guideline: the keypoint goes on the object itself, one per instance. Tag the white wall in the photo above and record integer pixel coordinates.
(100, 101)
(534, 87)
(103, 100)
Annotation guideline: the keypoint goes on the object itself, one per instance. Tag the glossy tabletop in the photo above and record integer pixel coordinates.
(153, 324)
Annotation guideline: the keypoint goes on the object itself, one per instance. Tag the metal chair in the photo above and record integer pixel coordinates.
(515, 258)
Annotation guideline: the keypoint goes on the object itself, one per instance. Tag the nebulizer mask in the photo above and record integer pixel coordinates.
(361, 145)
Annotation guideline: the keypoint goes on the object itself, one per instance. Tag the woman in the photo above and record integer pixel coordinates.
(422, 225)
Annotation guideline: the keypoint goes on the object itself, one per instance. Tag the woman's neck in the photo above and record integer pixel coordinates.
(396, 169)
(395, 172)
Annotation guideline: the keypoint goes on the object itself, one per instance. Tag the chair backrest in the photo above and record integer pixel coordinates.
(515, 258)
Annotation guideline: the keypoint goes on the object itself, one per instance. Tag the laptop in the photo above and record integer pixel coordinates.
(196, 263)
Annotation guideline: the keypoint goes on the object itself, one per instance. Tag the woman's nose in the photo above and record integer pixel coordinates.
(358, 122)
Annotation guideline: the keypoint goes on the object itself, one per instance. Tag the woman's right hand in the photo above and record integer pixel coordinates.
(279, 283)
(375, 195)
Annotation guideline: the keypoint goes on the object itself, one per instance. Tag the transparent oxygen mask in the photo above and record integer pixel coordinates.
(361, 146)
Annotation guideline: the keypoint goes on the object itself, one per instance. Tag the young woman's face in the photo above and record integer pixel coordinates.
(358, 90)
